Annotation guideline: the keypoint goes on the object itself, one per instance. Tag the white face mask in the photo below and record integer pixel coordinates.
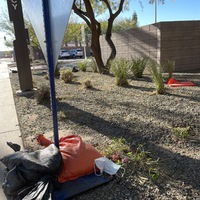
(106, 165)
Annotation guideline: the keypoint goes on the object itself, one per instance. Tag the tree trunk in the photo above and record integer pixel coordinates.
(109, 29)
(110, 42)
(97, 53)
(95, 28)
(89, 17)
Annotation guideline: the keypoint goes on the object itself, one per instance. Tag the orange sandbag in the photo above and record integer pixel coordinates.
(174, 83)
(43, 141)
(77, 157)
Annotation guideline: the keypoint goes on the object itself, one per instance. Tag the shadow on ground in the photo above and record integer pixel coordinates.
(175, 166)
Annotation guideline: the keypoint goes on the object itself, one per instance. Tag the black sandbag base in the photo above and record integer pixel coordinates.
(33, 176)
(72, 188)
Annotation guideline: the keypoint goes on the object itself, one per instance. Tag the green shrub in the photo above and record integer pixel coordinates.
(119, 151)
(66, 76)
(181, 132)
(83, 65)
(137, 66)
(57, 72)
(156, 75)
(93, 65)
(119, 68)
(43, 94)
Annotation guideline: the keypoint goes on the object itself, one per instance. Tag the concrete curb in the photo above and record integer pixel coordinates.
(9, 126)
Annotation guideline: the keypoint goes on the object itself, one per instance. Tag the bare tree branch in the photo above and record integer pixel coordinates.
(81, 14)
(108, 6)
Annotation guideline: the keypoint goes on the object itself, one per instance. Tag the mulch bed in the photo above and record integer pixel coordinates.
(135, 113)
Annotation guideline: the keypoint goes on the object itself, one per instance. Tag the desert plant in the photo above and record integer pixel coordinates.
(46, 77)
(62, 115)
(139, 156)
(181, 132)
(34, 83)
(43, 94)
(137, 66)
(119, 68)
(154, 173)
(93, 65)
(169, 66)
(83, 65)
(66, 76)
(119, 151)
(87, 83)
(156, 75)
(57, 72)
(144, 161)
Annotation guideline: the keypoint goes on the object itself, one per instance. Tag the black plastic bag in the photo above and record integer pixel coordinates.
(26, 169)
(42, 190)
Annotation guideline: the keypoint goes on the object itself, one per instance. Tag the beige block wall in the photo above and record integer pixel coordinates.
(178, 41)
(143, 41)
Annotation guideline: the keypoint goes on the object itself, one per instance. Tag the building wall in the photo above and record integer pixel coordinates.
(137, 42)
(178, 41)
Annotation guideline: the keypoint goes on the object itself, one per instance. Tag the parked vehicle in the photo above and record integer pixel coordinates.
(64, 54)
(74, 53)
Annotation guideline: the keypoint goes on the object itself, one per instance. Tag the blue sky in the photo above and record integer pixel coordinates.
(176, 10)
(172, 10)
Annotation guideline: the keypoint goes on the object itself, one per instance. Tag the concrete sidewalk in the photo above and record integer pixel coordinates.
(9, 126)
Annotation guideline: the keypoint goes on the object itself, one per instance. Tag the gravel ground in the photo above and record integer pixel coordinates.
(107, 111)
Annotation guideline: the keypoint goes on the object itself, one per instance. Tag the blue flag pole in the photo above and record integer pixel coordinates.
(45, 4)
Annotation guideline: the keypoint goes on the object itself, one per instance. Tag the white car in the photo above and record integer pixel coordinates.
(74, 53)
(64, 54)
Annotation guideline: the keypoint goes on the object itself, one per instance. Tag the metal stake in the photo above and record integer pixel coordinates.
(47, 23)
